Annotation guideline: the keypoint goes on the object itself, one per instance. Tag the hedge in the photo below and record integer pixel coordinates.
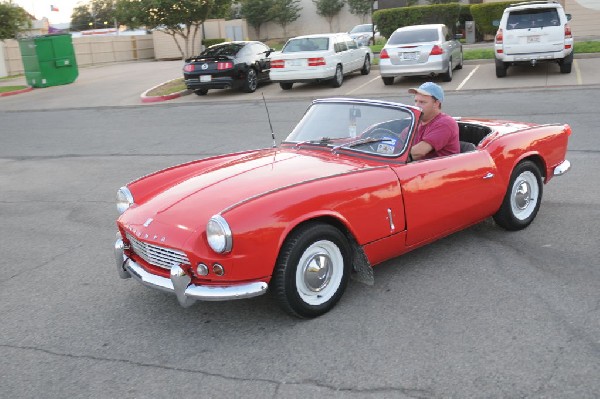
(210, 42)
(484, 14)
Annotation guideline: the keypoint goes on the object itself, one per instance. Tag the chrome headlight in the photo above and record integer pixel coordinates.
(124, 199)
(218, 234)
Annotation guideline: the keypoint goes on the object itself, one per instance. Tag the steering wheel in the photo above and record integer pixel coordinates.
(379, 133)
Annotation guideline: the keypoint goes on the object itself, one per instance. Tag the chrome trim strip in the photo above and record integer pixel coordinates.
(562, 168)
(188, 293)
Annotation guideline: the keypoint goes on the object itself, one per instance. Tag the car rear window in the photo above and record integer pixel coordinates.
(532, 18)
(229, 49)
(306, 44)
(414, 36)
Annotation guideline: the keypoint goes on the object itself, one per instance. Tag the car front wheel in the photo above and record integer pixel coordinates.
(338, 78)
(523, 197)
(312, 270)
(251, 81)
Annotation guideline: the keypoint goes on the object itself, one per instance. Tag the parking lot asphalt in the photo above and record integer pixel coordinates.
(125, 84)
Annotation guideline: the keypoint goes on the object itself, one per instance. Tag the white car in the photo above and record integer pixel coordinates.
(363, 34)
(533, 32)
(322, 57)
(420, 50)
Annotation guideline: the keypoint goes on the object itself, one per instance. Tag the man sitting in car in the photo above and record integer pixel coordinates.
(437, 133)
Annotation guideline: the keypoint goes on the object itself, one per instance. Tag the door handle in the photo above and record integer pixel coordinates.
(488, 175)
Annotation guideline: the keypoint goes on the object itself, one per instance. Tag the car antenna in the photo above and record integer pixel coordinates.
(269, 118)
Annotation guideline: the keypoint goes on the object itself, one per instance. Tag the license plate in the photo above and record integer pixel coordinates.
(205, 78)
(533, 39)
(409, 56)
(294, 63)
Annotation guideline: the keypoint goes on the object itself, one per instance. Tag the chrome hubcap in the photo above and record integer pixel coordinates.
(525, 193)
(318, 272)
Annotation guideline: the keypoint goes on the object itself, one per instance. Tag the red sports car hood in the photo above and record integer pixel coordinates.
(189, 204)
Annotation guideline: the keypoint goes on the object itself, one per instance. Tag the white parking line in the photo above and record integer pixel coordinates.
(467, 78)
(577, 72)
(361, 86)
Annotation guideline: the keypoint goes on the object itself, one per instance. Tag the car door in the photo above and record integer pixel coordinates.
(445, 194)
(261, 54)
(341, 49)
(355, 54)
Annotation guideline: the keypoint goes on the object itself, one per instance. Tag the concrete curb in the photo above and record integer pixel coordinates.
(11, 93)
(153, 99)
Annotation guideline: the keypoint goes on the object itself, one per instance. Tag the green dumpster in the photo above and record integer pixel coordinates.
(49, 60)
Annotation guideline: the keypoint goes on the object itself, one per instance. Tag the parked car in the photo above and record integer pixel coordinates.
(338, 196)
(363, 34)
(420, 50)
(323, 57)
(241, 65)
(533, 32)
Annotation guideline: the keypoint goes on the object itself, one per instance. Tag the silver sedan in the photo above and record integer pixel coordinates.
(420, 50)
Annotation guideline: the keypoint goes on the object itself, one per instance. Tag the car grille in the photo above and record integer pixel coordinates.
(157, 255)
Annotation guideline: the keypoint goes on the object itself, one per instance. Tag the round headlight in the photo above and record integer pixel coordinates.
(124, 199)
(218, 234)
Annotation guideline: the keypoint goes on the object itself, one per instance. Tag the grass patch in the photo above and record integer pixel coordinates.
(172, 86)
(5, 89)
(587, 47)
(479, 54)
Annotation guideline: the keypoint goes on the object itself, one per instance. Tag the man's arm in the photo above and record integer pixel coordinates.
(419, 150)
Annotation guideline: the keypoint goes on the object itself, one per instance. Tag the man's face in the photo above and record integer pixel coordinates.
(428, 104)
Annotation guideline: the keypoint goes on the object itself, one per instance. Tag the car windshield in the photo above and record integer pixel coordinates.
(229, 49)
(414, 36)
(361, 29)
(306, 44)
(533, 18)
(358, 126)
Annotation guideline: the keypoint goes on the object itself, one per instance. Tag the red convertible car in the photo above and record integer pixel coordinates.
(337, 197)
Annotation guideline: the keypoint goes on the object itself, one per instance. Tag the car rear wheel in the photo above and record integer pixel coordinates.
(500, 69)
(312, 270)
(201, 92)
(447, 77)
(523, 197)
(338, 78)
(286, 86)
(251, 81)
(388, 81)
(461, 61)
(566, 64)
(366, 68)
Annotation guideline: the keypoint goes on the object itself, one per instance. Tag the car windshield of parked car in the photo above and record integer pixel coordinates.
(306, 44)
(357, 126)
(229, 49)
(362, 28)
(533, 18)
(414, 36)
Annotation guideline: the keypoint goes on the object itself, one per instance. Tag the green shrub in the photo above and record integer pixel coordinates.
(210, 42)
(484, 14)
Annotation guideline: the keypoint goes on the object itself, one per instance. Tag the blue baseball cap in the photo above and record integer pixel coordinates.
(429, 89)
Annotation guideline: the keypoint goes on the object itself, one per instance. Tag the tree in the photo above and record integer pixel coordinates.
(257, 12)
(362, 8)
(329, 9)
(176, 18)
(13, 19)
(284, 12)
(93, 15)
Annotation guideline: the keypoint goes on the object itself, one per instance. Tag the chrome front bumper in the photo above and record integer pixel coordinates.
(562, 168)
(179, 282)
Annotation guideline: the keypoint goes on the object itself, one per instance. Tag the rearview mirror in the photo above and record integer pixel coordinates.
(568, 17)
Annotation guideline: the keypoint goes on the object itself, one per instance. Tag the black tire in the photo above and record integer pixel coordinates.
(461, 62)
(500, 69)
(447, 77)
(286, 86)
(201, 92)
(366, 68)
(523, 197)
(251, 81)
(312, 270)
(566, 64)
(388, 80)
(338, 78)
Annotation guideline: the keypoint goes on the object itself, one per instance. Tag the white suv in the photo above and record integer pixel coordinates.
(533, 32)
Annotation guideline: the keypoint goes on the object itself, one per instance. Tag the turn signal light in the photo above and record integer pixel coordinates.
(218, 269)
(201, 270)
(320, 61)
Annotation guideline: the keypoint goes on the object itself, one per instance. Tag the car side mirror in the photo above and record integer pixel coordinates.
(496, 23)
(568, 17)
